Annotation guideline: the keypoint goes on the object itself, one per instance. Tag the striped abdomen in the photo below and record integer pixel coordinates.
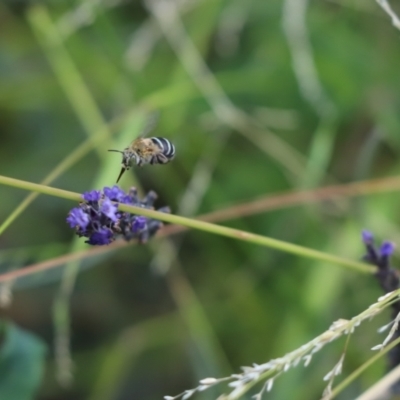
(167, 151)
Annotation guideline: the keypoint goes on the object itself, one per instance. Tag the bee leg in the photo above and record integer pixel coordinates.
(138, 160)
(163, 159)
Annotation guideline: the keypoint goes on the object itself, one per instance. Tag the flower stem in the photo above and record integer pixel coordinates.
(204, 226)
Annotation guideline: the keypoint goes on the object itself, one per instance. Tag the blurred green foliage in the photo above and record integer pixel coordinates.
(21, 363)
(149, 321)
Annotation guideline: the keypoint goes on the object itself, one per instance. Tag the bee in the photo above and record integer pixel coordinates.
(154, 150)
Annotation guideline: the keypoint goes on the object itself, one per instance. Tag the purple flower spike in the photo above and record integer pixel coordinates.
(98, 219)
(93, 195)
(101, 237)
(139, 224)
(77, 218)
(367, 237)
(109, 209)
(114, 193)
(387, 249)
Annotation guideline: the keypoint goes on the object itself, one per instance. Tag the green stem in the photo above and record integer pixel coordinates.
(204, 226)
(35, 187)
(68, 74)
(346, 382)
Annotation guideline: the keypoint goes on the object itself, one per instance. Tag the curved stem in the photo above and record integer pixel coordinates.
(204, 226)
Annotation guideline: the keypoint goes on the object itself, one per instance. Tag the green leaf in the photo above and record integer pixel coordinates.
(21, 363)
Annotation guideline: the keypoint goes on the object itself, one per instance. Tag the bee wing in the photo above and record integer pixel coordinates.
(151, 123)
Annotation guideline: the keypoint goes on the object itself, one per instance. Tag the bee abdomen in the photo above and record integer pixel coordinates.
(167, 149)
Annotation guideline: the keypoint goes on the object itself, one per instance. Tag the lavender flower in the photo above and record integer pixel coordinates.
(115, 193)
(109, 209)
(101, 237)
(98, 218)
(93, 195)
(78, 219)
(381, 257)
(139, 224)
(389, 280)
(367, 237)
(386, 249)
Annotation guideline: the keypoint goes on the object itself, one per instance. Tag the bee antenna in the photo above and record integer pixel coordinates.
(117, 151)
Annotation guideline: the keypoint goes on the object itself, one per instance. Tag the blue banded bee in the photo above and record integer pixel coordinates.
(154, 150)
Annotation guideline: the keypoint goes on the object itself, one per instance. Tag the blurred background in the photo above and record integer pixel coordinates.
(260, 98)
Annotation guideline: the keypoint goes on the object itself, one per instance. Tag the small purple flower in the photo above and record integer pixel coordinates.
(77, 218)
(109, 209)
(367, 237)
(114, 193)
(101, 237)
(93, 195)
(127, 199)
(386, 275)
(139, 224)
(387, 249)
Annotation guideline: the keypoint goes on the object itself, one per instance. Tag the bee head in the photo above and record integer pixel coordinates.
(126, 158)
